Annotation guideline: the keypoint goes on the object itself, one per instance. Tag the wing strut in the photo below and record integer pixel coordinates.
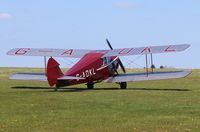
(45, 64)
(147, 70)
(152, 65)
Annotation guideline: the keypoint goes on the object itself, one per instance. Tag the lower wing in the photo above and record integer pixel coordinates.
(38, 77)
(132, 77)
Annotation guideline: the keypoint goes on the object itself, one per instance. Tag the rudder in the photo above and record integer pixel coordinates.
(53, 71)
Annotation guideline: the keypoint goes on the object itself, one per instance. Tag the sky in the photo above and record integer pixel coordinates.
(76, 24)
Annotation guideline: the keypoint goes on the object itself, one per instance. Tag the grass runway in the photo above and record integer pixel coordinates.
(167, 105)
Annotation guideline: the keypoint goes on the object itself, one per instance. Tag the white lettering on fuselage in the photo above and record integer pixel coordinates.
(86, 73)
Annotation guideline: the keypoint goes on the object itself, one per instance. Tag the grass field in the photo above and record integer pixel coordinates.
(167, 105)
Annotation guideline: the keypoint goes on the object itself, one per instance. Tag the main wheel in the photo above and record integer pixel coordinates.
(123, 85)
(90, 85)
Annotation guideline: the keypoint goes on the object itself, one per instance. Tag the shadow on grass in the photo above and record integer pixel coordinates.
(85, 89)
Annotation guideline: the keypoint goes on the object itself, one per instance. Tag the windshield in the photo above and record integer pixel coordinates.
(106, 60)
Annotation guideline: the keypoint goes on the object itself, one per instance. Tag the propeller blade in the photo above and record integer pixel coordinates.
(119, 61)
(109, 44)
(122, 66)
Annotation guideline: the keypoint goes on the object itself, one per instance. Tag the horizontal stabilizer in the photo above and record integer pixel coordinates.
(29, 76)
(133, 77)
(70, 78)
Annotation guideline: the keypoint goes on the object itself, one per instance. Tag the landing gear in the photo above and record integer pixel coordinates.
(90, 85)
(123, 85)
(56, 87)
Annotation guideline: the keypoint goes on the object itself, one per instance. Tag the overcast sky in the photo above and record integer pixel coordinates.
(87, 23)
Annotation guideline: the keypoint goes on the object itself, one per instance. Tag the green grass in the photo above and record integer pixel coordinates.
(167, 105)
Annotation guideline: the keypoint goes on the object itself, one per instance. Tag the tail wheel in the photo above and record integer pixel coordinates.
(56, 87)
(90, 85)
(123, 85)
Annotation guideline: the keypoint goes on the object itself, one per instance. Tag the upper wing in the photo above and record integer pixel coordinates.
(78, 53)
(147, 50)
(131, 77)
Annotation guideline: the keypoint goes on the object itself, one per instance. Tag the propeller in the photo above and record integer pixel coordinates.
(119, 61)
(109, 44)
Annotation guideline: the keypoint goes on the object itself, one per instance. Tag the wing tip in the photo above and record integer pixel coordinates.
(188, 45)
(12, 51)
(187, 73)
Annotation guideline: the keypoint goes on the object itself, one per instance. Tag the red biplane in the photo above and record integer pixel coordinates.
(95, 65)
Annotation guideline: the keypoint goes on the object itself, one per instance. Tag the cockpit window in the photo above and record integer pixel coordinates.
(106, 60)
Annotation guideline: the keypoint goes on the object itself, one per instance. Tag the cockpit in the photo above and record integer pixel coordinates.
(106, 60)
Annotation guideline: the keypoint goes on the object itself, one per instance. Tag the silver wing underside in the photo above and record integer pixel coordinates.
(133, 77)
(79, 53)
(38, 77)
(29, 76)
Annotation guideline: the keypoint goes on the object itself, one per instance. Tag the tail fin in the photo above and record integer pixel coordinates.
(53, 71)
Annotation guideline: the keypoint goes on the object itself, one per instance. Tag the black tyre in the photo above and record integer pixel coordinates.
(123, 85)
(90, 85)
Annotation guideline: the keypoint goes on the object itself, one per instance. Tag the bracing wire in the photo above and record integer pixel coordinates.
(130, 62)
(67, 62)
